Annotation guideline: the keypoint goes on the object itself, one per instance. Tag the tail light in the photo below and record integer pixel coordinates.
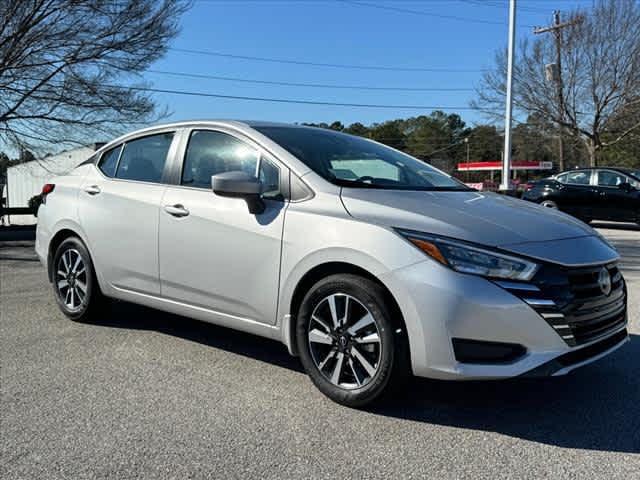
(46, 190)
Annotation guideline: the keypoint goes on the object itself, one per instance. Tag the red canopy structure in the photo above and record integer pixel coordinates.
(497, 165)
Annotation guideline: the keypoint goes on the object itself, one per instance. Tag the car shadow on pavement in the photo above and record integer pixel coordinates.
(596, 407)
(131, 316)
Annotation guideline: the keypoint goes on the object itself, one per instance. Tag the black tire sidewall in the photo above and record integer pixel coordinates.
(371, 295)
(93, 290)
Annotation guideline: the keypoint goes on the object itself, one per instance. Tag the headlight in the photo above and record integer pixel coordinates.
(466, 258)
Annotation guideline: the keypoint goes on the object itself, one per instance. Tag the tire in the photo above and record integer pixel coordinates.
(368, 348)
(74, 281)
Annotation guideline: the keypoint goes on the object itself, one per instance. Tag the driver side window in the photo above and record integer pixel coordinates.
(608, 178)
(580, 177)
(210, 153)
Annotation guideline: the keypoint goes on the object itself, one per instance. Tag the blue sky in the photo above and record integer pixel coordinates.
(339, 32)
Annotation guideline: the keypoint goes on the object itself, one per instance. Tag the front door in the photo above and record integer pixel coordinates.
(214, 254)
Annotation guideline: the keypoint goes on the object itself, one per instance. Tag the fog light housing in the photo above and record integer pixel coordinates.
(481, 351)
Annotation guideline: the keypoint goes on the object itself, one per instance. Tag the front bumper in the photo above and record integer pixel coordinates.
(583, 356)
(440, 305)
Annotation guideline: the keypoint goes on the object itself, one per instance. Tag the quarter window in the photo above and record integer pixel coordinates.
(608, 178)
(578, 178)
(210, 153)
(143, 159)
(109, 161)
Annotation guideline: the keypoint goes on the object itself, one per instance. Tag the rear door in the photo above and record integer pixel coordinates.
(118, 209)
(614, 202)
(577, 195)
(214, 254)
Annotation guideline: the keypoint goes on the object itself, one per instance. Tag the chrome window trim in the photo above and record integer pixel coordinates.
(165, 173)
(181, 156)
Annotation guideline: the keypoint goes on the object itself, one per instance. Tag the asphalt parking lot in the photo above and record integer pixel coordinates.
(143, 394)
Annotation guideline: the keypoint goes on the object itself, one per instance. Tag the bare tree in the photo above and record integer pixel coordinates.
(600, 76)
(70, 70)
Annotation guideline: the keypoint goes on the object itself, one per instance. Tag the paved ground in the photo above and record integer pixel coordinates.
(149, 395)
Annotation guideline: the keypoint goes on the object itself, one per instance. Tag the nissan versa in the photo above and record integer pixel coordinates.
(368, 264)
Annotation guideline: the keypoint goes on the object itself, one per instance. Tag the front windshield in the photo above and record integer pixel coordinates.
(355, 162)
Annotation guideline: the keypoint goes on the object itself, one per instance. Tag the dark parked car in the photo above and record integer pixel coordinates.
(603, 193)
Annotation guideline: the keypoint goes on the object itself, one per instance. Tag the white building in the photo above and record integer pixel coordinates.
(26, 179)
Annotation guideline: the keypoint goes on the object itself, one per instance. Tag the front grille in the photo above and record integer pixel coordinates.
(572, 301)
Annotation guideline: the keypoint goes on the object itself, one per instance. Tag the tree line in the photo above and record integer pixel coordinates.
(444, 140)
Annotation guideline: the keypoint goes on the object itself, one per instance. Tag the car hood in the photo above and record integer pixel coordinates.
(484, 218)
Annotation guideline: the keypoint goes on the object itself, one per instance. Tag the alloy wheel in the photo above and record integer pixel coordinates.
(344, 341)
(72, 279)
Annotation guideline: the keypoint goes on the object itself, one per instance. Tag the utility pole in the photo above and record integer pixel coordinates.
(466, 141)
(554, 73)
(506, 164)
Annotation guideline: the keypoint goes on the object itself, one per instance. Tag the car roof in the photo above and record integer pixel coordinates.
(238, 124)
(221, 121)
(599, 167)
(624, 170)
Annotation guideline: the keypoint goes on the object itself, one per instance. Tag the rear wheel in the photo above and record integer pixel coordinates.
(74, 281)
(347, 341)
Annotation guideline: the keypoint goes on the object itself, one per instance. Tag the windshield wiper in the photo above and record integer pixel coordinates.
(344, 182)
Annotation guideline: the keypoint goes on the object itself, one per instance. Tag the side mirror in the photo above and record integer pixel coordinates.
(626, 187)
(240, 184)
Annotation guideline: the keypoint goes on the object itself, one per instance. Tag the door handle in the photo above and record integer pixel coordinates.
(176, 210)
(92, 189)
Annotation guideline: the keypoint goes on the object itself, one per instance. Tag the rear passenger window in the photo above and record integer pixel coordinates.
(143, 159)
(109, 161)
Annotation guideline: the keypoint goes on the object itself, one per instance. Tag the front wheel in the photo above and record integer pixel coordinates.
(74, 281)
(347, 341)
(549, 204)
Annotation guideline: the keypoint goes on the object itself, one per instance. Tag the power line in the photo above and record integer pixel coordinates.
(312, 85)
(323, 64)
(502, 5)
(427, 14)
(301, 102)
